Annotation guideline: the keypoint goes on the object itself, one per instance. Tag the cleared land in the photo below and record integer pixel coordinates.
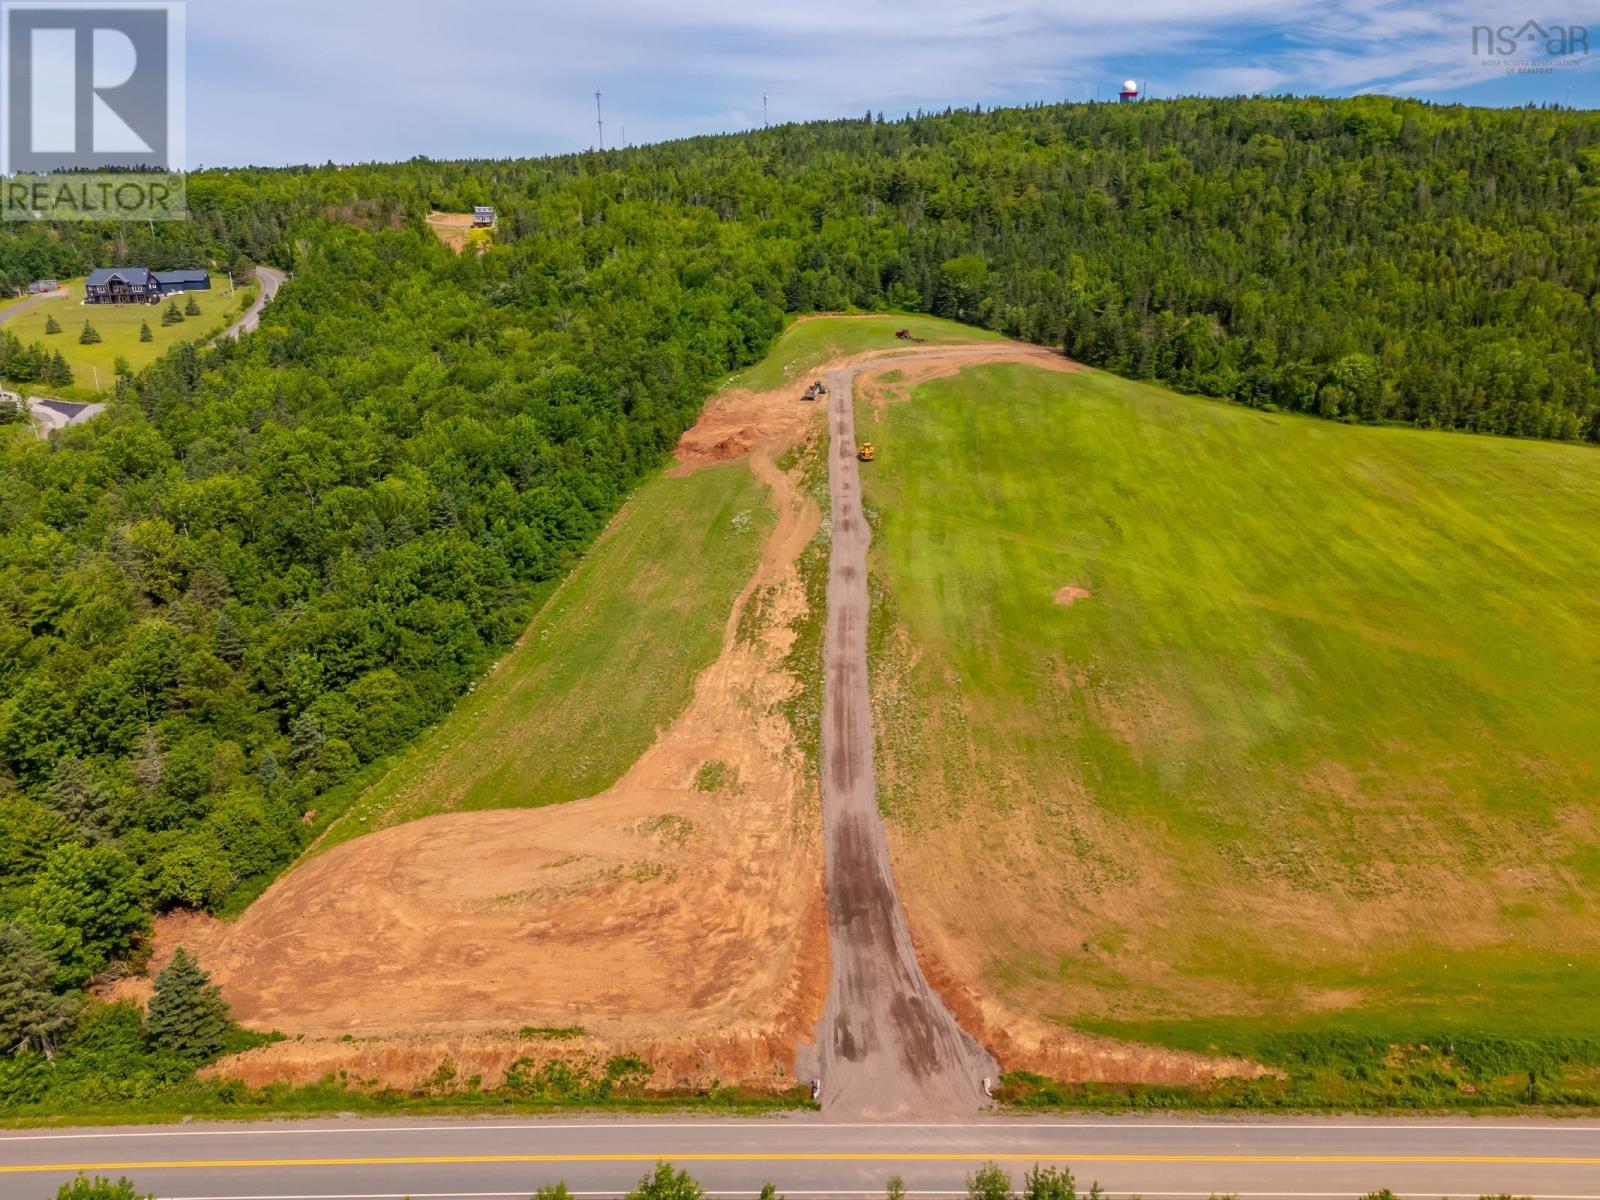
(810, 343)
(456, 231)
(118, 327)
(1199, 724)
(610, 658)
(675, 912)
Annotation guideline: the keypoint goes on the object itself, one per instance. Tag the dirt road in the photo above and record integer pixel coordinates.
(887, 1046)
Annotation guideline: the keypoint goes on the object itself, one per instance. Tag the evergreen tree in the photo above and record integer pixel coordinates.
(90, 335)
(170, 315)
(145, 333)
(187, 1014)
(192, 308)
(120, 367)
(51, 325)
(31, 1014)
(56, 372)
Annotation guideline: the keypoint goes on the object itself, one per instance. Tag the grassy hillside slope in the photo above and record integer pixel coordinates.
(1317, 749)
(810, 341)
(611, 657)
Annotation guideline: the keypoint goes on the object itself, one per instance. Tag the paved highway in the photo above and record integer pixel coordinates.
(807, 1156)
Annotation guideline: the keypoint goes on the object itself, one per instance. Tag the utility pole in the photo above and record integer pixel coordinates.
(599, 125)
(764, 109)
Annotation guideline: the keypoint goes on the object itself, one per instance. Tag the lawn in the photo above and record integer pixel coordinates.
(118, 326)
(1312, 748)
(807, 343)
(610, 658)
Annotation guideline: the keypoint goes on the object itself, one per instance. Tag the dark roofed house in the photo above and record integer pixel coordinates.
(169, 282)
(120, 285)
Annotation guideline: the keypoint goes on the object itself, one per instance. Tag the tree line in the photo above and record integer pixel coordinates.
(273, 562)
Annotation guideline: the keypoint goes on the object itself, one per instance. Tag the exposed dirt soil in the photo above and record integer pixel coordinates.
(451, 228)
(682, 924)
(1070, 594)
(660, 916)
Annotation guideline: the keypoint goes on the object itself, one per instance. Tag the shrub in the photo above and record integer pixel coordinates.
(667, 1183)
(98, 1188)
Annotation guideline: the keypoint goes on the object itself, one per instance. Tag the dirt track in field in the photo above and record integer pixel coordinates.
(687, 926)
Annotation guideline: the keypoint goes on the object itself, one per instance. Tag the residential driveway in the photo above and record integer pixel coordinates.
(23, 307)
(50, 414)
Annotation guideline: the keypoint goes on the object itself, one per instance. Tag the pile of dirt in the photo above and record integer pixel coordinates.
(1069, 594)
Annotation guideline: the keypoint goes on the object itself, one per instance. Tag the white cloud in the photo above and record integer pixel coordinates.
(298, 80)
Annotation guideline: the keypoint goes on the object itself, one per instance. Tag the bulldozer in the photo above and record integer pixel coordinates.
(866, 453)
(816, 391)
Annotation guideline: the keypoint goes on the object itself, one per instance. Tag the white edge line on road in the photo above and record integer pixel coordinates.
(816, 1192)
(1023, 1125)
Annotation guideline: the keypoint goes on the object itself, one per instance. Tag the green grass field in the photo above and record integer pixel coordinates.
(610, 658)
(1318, 751)
(809, 343)
(118, 326)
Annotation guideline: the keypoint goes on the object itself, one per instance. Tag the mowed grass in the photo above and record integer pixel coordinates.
(610, 658)
(118, 327)
(809, 342)
(1318, 751)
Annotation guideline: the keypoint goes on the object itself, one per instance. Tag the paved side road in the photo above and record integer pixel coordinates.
(382, 1158)
(887, 1046)
(271, 280)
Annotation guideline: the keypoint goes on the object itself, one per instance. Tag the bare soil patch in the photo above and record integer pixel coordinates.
(672, 919)
(451, 228)
(680, 920)
(1070, 594)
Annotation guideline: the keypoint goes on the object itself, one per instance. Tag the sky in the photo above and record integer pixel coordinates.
(294, 81)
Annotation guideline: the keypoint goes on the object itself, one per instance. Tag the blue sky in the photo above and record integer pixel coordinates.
(284, 81)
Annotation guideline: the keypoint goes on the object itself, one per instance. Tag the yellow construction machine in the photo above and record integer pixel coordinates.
(866, 453)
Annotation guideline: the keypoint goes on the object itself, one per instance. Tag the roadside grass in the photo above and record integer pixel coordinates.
(1311, 768)
(118, 327)
(803, 662)
(809, 343)
(609, 659)
(229, 1100)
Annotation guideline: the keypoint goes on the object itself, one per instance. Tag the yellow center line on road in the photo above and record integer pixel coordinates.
(758, 1157)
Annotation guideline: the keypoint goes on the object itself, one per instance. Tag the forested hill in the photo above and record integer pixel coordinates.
(270, 564)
